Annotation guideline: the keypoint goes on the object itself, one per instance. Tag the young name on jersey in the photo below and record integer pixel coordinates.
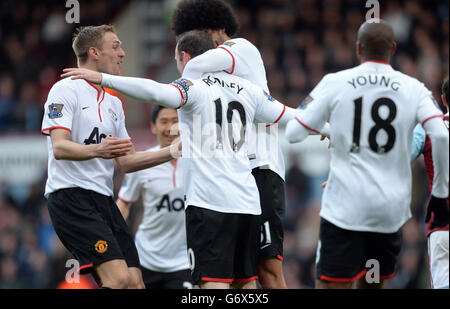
(374, 80)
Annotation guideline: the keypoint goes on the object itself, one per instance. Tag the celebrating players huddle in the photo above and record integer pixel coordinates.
(213, 217)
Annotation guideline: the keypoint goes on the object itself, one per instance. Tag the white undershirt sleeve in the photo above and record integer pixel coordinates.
(213, 60)
(145, 90)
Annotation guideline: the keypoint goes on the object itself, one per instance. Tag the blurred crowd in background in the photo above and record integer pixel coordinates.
(300, 41)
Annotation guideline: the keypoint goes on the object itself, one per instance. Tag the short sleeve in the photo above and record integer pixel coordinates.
(131, 188)
(227, 46)
(314, 110)
(428, 107)
(59, 109)
(268, 110)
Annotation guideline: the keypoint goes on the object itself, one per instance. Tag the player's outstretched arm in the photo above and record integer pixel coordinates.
(304, 124)
(213, 60)
(141, 89)
(136, 161)
(65, 149)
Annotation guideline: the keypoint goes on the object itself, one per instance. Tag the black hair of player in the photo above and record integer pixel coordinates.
(445, 89)
(204, 15)
(195, 43)
(155, 112)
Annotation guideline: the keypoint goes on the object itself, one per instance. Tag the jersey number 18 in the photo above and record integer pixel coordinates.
(380, 124)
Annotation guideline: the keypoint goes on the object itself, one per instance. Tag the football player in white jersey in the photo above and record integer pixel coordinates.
(222, 199)
(161, 236)
(85, 126)
(372, 110)
(241, 58)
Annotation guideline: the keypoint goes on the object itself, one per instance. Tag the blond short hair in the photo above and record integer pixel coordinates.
(87, 37)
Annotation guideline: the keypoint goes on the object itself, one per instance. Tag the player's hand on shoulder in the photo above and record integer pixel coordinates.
(78, 73)
(112, 147)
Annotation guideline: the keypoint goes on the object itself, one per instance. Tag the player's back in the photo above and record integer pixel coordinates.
(214, 126)
(373, 112)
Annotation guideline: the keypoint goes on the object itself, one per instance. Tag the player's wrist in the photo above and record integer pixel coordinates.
(93, 151)
(103, 79)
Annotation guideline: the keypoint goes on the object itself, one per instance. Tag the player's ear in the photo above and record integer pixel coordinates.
(185, 56)
(444, 101)
(358, 50)
(394, 48)
(152, 127)
(93, 52)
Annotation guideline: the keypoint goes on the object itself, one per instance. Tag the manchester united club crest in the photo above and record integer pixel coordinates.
(101, 246)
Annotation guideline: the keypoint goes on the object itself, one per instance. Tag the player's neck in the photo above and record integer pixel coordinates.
(373, 59)
(91, 67)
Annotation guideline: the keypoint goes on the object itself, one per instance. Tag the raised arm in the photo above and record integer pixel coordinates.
(213, 60)
(141, 89)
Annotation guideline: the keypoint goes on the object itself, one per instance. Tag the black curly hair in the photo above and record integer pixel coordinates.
(204, 14)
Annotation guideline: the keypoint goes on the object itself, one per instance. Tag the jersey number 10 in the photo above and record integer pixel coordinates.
(380, 124)
(232, 106)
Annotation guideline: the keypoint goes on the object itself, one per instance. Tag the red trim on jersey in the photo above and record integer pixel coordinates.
(216, 280)
(85, 266)
(246, 279)
(181, 93)
(174, 180)
(331, 279)
(279, 117)
(124, 200)
(429, 118)
(436, 229)
(98, 91)
(311, 129)
(234, 61)
(99, 114)
(51, 128)
(377, 61)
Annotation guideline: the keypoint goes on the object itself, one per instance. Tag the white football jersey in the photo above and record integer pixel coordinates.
(372, 110)
(161, 236)
(215, 114)
(264, 150)
(90, 115)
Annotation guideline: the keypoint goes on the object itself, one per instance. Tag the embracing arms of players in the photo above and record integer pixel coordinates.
(120, 149)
